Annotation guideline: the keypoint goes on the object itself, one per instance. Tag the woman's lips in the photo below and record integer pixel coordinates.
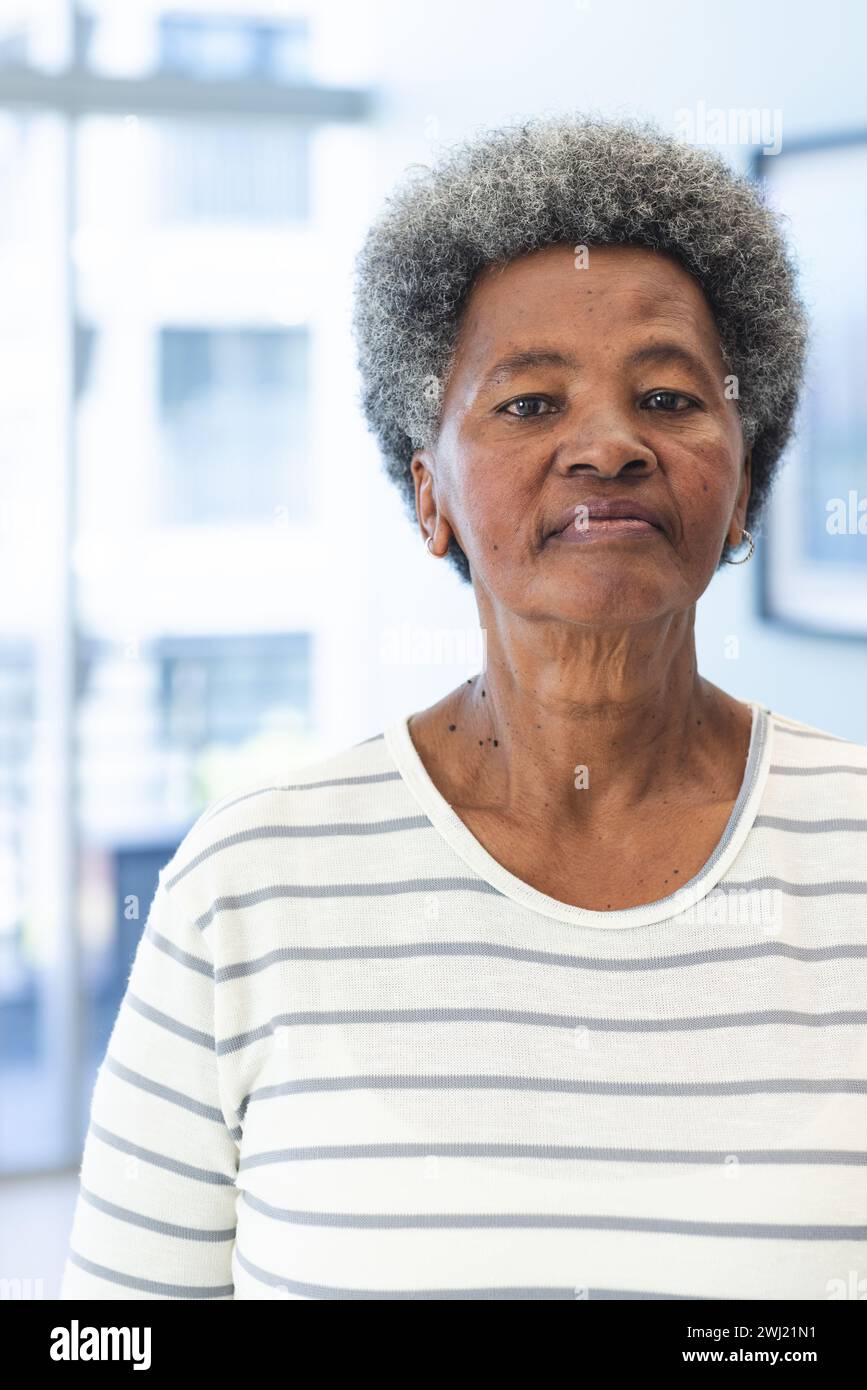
(606, 529)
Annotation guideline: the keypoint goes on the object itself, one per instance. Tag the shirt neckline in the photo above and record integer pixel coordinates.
(445, 820)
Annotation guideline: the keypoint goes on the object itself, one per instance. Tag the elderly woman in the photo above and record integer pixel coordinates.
(555, 989)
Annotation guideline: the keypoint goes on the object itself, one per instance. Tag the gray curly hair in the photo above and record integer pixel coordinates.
(582, 180)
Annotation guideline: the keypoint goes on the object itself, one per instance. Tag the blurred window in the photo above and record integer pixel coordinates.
(167, 283)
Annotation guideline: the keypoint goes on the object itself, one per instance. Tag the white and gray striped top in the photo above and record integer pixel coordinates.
(358, 1058)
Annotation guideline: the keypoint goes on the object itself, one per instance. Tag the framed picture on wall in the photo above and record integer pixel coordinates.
(814, 551)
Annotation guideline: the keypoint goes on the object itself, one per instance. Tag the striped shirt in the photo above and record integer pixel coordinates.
(358, 1058)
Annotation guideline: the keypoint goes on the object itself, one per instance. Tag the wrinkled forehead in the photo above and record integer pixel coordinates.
(637, 278)
(605, 297)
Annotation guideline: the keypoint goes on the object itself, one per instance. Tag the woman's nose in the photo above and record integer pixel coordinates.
(607, 450)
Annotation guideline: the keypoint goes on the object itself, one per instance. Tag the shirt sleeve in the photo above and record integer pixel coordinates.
(155, 1210)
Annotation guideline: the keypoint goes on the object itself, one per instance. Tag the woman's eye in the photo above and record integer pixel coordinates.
(668, 397)
(525, 401)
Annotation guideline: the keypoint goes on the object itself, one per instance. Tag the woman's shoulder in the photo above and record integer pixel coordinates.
(818, 772)
(241, 837)
(323, 781)
(799, 736)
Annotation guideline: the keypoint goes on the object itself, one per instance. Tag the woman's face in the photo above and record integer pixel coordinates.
(631, 402)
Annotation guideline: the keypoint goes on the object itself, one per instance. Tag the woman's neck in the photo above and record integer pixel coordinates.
(575, 755)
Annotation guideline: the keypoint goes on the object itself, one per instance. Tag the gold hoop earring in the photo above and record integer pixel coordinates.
(429, 547)
(749, 554)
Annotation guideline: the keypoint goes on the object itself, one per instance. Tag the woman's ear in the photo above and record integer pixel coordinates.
(425, 494)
